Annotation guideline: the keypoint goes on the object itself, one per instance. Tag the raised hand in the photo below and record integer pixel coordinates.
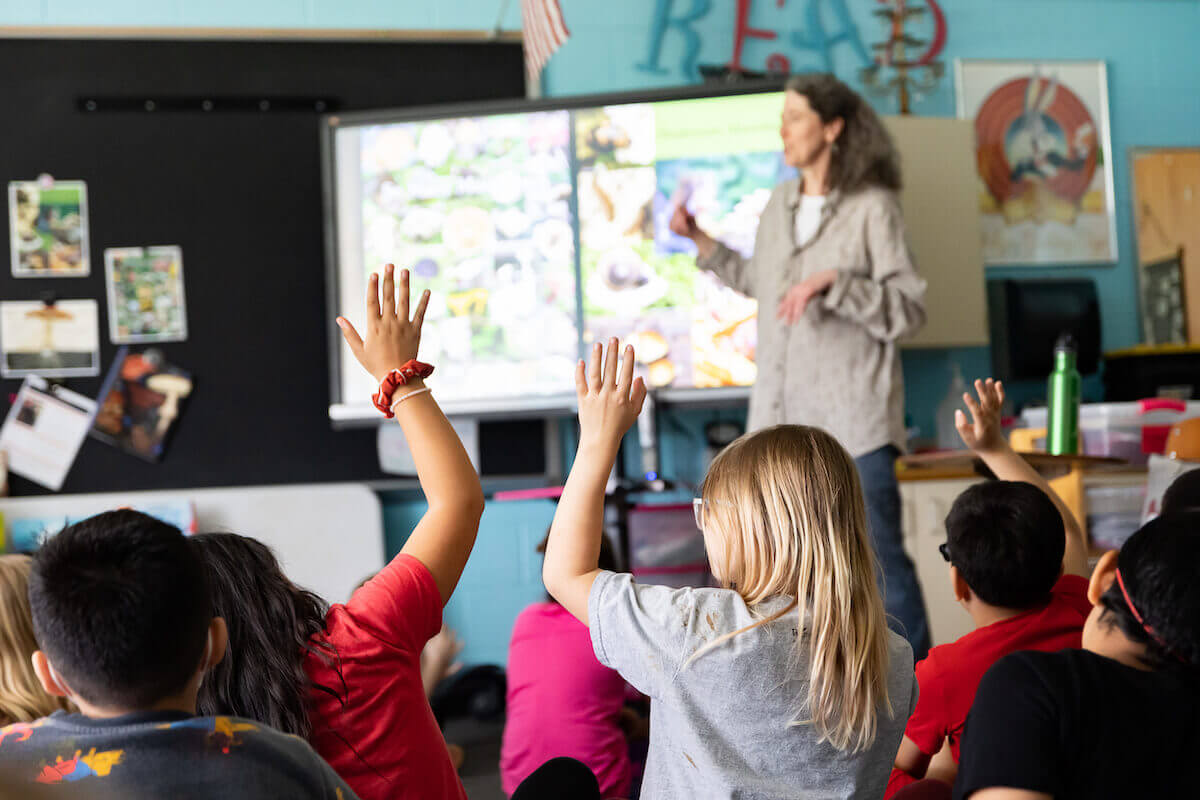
(794, 303)
(609, 402)
(684, 224)
(983, 433)
(392, 337)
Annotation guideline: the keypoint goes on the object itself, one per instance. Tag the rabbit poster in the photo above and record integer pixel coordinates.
(1044, 158)
(48, 228)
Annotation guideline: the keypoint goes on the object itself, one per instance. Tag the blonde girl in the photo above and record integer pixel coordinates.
(22, 698)
(787, 681)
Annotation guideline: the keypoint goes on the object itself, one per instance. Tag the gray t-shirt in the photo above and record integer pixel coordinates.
(719, 725)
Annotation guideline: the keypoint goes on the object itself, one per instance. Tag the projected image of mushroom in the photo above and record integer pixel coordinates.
(623, 282)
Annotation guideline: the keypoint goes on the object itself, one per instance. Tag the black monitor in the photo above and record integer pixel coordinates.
(1028, 316)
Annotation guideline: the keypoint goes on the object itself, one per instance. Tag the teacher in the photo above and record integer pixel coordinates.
(836, 288)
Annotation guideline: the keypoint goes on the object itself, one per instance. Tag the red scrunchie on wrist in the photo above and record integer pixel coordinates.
(398, 377)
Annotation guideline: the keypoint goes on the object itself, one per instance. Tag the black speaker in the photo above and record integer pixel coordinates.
(1028, 316)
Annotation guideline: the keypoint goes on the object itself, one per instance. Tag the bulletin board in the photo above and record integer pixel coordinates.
(212, 145)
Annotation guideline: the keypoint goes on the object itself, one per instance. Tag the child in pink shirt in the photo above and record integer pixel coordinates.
(561, 701)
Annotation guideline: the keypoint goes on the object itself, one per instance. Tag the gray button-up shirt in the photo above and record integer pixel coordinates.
(836, 368)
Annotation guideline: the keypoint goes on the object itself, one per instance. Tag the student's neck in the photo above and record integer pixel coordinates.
(1111, 643)
(185, 702)
(983, 614)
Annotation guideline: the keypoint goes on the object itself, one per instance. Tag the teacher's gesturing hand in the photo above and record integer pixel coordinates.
(792, 306)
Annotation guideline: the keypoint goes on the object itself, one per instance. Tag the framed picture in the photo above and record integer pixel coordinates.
(1044, 156)
(1164, 305)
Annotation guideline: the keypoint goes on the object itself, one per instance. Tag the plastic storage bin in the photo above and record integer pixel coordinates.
(666, 547)
(1131, 431)
(1113, 514)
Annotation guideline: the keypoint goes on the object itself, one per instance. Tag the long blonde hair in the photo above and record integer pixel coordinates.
(22, 698)
(787, 505)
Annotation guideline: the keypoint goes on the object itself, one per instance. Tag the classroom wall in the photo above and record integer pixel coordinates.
(1154, 93)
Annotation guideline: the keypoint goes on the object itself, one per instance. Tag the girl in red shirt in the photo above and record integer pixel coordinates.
(347, 677)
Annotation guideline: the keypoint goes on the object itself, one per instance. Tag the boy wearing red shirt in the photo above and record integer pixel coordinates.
(1018, 565)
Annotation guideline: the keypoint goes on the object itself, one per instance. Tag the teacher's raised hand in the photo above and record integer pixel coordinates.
(684, 224)
(793, 304)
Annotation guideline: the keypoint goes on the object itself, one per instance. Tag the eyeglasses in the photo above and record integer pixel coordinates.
(698, 509)
(944, 549)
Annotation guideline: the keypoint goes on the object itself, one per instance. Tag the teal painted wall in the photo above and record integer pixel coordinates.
(1154, 92)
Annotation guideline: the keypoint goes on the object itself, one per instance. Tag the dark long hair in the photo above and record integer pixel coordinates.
(863, 153)
(273, 624)
(1158, 566)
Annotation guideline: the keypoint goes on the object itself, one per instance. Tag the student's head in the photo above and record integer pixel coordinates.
(22, 698)
(272, 625)
(825, 118)
(1183, 494)
(1149, 594)
(783, 514)
(1005, 542)
(121, 612)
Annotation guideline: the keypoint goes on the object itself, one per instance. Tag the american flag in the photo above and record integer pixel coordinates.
(544, 30)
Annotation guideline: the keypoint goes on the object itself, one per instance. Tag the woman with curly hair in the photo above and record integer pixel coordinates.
(836, 289)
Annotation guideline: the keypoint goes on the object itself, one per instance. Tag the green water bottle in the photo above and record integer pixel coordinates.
(1063, 393)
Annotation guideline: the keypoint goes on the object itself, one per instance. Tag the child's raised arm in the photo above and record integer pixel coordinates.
(444, 537)
(608, 405)
(984, 436)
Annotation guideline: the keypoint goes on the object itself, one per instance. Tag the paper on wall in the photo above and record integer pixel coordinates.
(395, 457)
(43, 431)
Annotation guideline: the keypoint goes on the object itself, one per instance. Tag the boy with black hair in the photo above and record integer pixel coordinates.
(1018, 565)
(1183, 495)
(122, 614)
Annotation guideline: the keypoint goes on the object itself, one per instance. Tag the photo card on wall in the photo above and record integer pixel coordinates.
(145, 294)
(48, 228)
(53, 340)
(140, 403)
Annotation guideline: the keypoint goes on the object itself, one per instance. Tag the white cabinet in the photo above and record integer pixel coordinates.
(925, 504)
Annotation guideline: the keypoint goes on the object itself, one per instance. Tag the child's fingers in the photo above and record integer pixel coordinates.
(1000, 393)
(581, 385)
(419, 317)
(960, 422)
(610, 364)
(351, 336)
(983, 392)
(626, 379)
(973, 406)
(593, 370)
(373, 298)
(388, 306)
(402, 300)
(637, 395)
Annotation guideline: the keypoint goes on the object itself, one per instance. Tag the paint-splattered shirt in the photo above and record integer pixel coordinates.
(720, 726)
(160, 754)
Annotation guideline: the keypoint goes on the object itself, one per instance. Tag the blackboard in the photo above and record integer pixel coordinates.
(239, 189)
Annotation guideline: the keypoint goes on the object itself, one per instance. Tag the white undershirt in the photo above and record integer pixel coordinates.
(808, 217)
